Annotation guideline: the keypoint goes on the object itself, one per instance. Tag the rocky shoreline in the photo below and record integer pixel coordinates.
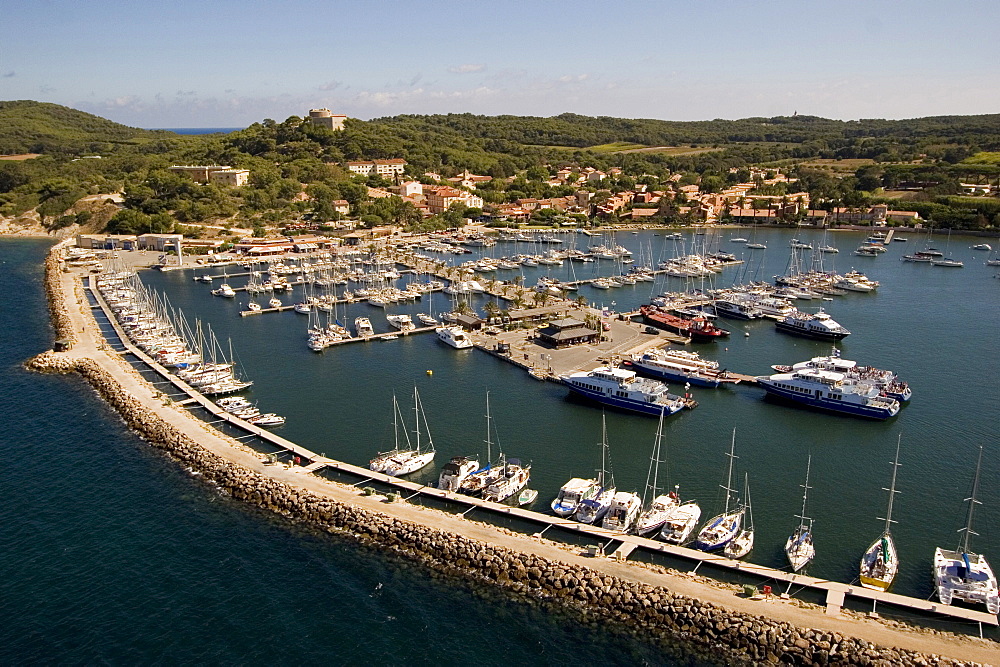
(706, 631)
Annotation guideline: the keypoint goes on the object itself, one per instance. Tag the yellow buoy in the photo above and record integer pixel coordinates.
(430, 372)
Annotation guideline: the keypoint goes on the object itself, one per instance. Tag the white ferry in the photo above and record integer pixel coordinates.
(679, 366)
(820, 326)
(886, 380)
(623, 389)
(829, 390)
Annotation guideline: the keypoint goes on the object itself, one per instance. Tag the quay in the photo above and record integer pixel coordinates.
(616, 547)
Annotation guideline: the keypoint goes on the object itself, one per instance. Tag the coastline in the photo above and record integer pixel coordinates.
(681, 607)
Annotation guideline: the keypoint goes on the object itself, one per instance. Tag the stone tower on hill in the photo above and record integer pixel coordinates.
(327, 118)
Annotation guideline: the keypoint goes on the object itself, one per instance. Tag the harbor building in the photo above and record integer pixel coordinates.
(326, 118)
(567, 331)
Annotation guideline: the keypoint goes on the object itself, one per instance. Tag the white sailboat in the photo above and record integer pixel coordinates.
(721, 529)
(593, 509)
(799, 547)
(961, 574)
(880, 563)
(475, 483)
(409, 460)
(742, 544)
(653, 517)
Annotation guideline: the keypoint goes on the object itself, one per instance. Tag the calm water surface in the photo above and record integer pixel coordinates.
(119, 555)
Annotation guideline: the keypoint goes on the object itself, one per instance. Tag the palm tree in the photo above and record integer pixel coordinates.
(580, 301)
(491, 309)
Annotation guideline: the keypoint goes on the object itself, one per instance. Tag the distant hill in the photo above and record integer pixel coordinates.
(40, 127)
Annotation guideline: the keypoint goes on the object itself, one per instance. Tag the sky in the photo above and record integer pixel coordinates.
(222, 63)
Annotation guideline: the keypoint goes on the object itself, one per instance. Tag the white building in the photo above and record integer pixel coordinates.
(380, 167)
(231, 177)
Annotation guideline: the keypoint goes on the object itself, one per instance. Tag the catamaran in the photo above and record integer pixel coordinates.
(961, 574)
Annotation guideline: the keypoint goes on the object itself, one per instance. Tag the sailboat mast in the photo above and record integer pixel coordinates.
(654, 464)
(729, 475)
(892, 487)
(416, 415)
(805, 493)
(489, 444)
(972, 505)
(604, 449)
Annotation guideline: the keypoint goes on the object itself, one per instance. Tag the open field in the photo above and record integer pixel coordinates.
(21, 156)
(672, 150)
(837, 166)
(983, 157)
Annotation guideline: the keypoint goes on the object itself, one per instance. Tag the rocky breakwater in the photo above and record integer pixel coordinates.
(704, 630)
(58, 303)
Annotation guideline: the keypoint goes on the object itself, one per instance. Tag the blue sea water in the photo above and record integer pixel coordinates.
(112, 553)
(198, 130)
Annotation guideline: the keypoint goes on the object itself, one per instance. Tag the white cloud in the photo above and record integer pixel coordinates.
(468, 68)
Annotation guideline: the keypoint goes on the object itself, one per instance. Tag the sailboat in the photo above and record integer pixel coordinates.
(653, 517)
(961, 574)
(948, 261)
(593, 509)
(508, 479)
(799, 547)
(475, 483)
(881, 560)
(406, 461)
(721, 529)
(742, 544)
(754, 244)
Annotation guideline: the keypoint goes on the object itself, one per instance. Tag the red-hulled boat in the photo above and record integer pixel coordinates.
(697, 328)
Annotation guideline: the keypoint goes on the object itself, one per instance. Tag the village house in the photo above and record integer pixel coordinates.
(469, 180)
(379, 167)
(222, 174)
(441, 198)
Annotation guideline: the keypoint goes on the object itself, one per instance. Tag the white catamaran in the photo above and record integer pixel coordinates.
(961, 574)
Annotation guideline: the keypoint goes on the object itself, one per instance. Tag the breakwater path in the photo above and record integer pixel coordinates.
(758, 630)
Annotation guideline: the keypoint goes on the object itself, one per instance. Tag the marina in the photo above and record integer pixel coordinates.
(631, 332)
(611, 542)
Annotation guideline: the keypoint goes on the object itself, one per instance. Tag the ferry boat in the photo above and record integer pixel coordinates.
(820, 326)
(679, 366)
(886, 380)
(697, 328)
(454, 336)
(736, 310)
(621, 388)
(829, 390)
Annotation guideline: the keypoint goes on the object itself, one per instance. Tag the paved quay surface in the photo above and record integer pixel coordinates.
(91, 345)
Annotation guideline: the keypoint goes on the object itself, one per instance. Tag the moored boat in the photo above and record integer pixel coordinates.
(799, 547)
(454, 336)
(621, 388)
(819, 325)
(961, 574)
(456, 471)
(572, 494)
(880, 562)
(679, 366)
(699, 328)
(828, 390)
